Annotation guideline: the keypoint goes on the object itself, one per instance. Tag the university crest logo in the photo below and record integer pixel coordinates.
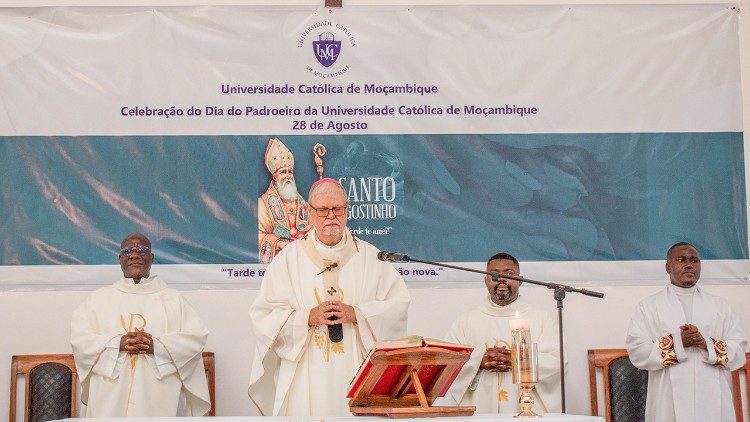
(326, 49)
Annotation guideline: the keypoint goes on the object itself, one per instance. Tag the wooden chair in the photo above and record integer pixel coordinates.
(603, 358)
(52, 381)
(737, 390)
(624, 385)
(208, 365)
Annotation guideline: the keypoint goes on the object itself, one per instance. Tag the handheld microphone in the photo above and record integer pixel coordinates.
(335, 331)
(393, 257)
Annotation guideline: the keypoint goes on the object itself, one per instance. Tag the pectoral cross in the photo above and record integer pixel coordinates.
(331, 292)
(329, 267)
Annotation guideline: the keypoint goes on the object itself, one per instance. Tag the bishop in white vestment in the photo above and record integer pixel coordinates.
(138, 345)
(689, 341)
(485, 381)
(328, 277)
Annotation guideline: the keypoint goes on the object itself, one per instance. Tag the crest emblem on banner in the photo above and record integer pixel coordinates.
(326, 49)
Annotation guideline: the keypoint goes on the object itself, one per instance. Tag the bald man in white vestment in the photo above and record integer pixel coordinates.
(138, 345)
(301, 367)
(689, 341)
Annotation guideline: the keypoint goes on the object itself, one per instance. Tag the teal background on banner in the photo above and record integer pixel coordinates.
(459, 198)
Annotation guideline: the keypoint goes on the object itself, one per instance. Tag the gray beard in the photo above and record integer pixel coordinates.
(287, 190)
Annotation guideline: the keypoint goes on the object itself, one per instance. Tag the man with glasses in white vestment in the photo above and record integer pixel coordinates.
(329, 278)
(138, 345)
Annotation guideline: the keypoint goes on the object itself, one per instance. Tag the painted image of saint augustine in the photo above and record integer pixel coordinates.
(283, 214)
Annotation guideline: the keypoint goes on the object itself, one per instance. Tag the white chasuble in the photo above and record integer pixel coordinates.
(171, 382)
(686, 384)
(494, 392)
(297, 369)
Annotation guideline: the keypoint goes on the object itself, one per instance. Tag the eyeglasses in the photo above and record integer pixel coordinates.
(323, 212)
(142, 250)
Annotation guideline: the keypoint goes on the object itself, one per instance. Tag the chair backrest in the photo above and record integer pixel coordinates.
(208, 365)
(50, 391)
(737, 389)
(52, 380)
(624, 386)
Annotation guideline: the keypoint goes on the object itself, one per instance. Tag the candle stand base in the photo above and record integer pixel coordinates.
(526, 400)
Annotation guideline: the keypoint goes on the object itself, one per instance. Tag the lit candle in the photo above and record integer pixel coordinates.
(519, 323)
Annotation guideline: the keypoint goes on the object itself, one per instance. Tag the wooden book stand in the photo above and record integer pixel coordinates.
(403, 382)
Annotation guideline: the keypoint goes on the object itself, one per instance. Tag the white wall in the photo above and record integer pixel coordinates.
(35, 323)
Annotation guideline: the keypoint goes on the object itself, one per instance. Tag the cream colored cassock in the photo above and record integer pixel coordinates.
(686, 384)
(297, 370)
(488, 326)
(172, 382)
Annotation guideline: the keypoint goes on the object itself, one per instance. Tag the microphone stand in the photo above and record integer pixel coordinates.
(559, 295)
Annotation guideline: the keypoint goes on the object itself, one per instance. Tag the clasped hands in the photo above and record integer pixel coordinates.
(137, 342)
(496, 359)
(338, 312)
(691, 337)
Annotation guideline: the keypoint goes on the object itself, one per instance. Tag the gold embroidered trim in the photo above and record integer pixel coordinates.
(320, 336)
(720, 346)
(668, 354)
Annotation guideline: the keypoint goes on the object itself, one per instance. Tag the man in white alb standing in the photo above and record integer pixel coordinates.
(327, 281)
(689, 341)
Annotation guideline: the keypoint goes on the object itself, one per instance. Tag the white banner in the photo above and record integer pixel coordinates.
(510, 69)
(583, 139)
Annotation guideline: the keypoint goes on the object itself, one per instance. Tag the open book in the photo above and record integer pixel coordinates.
(418, 341)
(428, 372)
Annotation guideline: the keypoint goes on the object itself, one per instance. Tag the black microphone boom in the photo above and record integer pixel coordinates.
(393, 257)
(559, 294)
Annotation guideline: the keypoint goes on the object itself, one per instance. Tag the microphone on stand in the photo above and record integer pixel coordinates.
(559, 294)
(393, 257)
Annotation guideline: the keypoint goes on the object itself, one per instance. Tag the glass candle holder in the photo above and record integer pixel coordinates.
(525, 370)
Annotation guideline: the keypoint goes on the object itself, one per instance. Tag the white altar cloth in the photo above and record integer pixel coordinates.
(547, 417)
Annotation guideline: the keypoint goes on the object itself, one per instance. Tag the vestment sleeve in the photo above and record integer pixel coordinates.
(110, 360)
(278, 326)
(726, 349)
(162, 361)
(648, 349)
(89, 342)
(281, 332)
(470, 370)
(382, 310)
(184, 343)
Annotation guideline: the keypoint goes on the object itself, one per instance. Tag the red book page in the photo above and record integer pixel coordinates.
(388, 380)
(426, 375)
(360, 377)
